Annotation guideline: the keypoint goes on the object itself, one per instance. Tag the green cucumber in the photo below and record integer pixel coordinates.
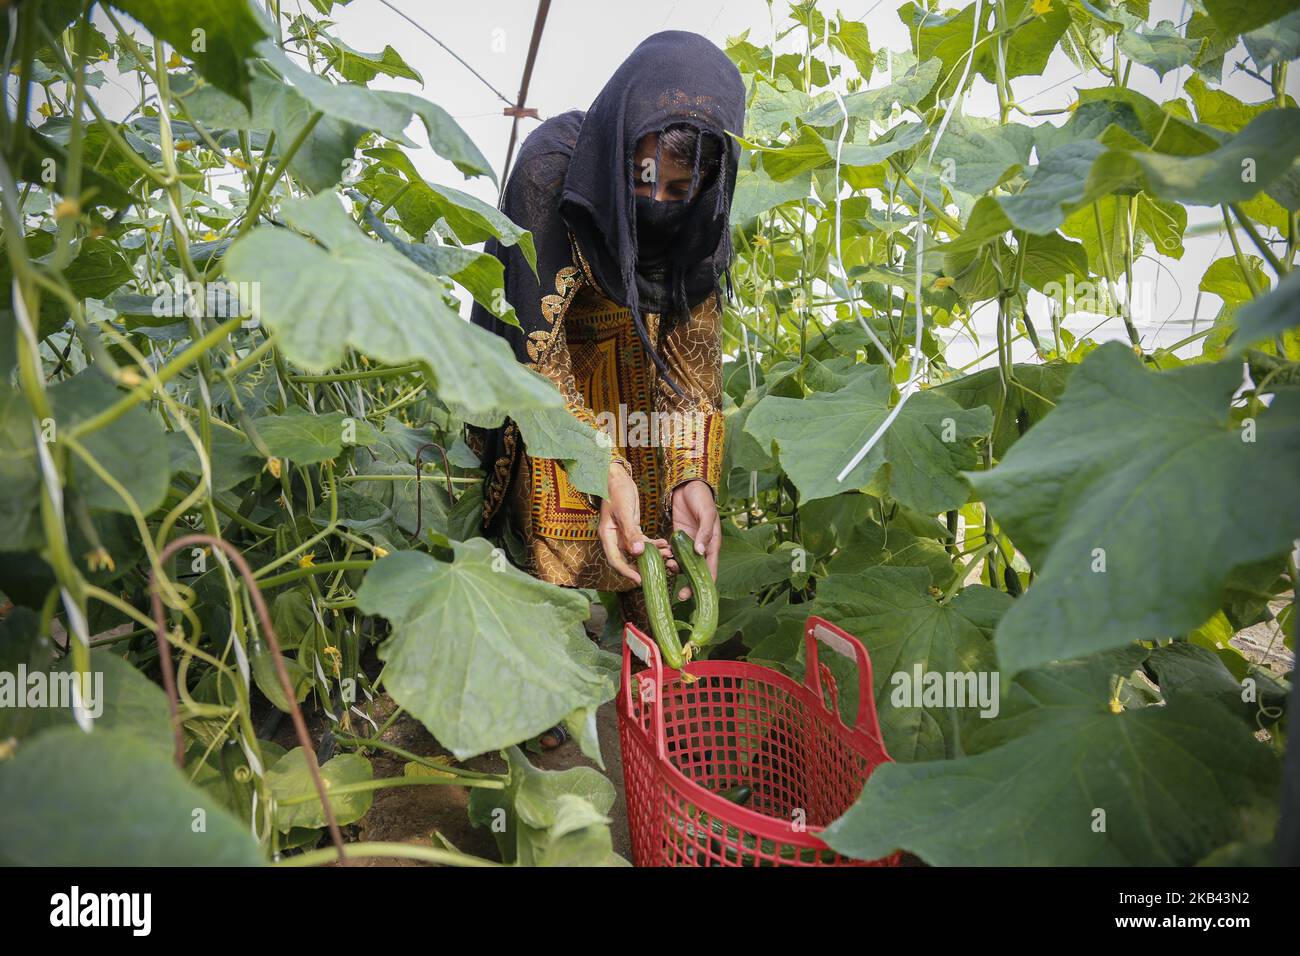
(658, 605)
(1014, 587)
(704, 622)
(738, 794)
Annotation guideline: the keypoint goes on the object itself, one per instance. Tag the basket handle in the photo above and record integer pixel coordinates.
(636, 642)
(818, 630)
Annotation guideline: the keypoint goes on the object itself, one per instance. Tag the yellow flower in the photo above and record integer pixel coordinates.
(336, 659)
(943, 282)
(1115, 706)
(308, 560)
(209, 236)
(67, 208)
(44, 110)
(273, 466)
(100, 560)
(1042, 6)
(128, 377)
(379, 552)
(184, 145)
(175, 61)
(238, 163)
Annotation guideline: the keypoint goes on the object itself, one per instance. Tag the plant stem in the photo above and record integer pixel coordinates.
(366, 851)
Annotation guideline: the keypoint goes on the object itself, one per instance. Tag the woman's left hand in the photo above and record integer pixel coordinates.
(696, 513)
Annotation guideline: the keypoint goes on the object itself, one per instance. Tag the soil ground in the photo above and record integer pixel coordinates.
(414, 814)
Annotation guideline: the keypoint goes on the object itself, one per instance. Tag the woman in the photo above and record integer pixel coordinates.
(628, 205)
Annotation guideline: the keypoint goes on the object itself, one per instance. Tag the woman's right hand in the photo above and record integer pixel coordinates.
(620, 526)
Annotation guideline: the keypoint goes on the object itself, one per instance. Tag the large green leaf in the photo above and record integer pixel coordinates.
(1075, 784)
(1108, 479)
(69, 798)
(132, 449)
(401, 497)
(290, 778)
(1239, 17)
(908, 90)
(386, 112)
(350, 291)
(482, 274)
(98, 270)
(220, 36)
(358, 67)
(1186, 668)
(20, 519)
(548, 817)
(817, 436)
(949, 38)
(482, 653)
(757, 192)
(233, 459)
(307, 439)
(906, 631)
(1253, 160)
(745, 565)
(420, 204)
(773, 108)
(584, 451)
(446, 137)
(1271, 314)
(346, 102)
(870, 545)
(1161, 47)
(1276, 41)
(1225, 278)
(1031, 394)
(976, 154)
(319, 160)
(128, 703)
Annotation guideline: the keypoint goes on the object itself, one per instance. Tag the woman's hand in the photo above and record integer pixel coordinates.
(696, 513)
(619, 529)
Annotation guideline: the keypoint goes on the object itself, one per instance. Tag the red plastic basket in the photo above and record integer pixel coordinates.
(740, 723)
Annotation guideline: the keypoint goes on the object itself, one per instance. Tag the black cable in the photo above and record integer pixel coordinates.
(417, 26)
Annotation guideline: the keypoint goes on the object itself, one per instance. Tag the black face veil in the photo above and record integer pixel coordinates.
(672, 78)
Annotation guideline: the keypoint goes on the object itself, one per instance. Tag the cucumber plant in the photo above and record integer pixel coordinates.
(233, 318)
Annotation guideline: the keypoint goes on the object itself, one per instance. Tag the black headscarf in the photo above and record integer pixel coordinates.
(672, 78)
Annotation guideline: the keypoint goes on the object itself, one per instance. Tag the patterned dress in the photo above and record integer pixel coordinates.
(592, 353)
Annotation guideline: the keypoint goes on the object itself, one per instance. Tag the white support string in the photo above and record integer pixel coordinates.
(839, 241)
(919, 362)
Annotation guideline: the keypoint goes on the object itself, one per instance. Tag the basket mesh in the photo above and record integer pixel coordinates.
(737, 724)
